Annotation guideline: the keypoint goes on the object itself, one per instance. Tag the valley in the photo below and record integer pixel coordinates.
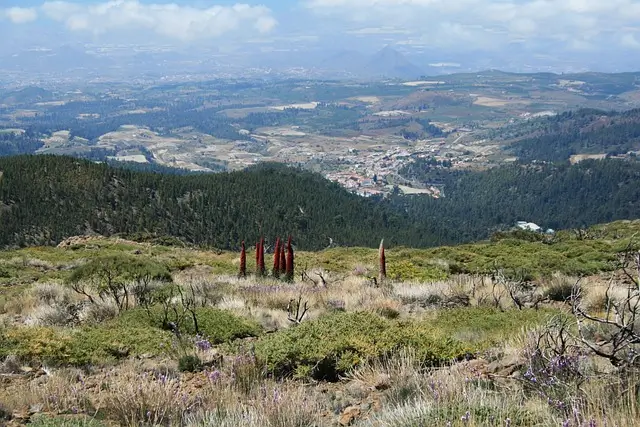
(503, 292)
(357, 133)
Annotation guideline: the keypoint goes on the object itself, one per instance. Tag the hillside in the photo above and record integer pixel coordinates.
(104, 332)
(553, 196)
(559, 137)
(45, 199)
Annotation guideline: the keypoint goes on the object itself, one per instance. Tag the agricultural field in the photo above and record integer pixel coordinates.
(105, 331)
(363, 129)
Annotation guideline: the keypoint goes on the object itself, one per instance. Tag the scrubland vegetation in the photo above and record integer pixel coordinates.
(525, 330)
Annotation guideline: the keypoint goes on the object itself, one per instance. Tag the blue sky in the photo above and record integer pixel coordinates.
(576, 28)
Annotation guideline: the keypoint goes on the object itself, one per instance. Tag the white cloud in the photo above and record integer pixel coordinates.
(630, 41)
(378, 30)
(574, 24)
(165, 19)
(20, 15)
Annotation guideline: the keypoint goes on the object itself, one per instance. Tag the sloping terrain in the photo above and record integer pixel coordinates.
(51, 198)
(573, 133)
(46, 199)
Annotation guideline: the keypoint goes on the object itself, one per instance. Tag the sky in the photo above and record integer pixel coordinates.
(607, 29)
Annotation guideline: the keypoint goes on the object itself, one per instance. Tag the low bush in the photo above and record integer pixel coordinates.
(45, 344)
(115, 340)
(189, 363)
(133, 333)
(483, 327)
(560, 288)
(327, 348)
(95, 344)
(222, 326)
(330, 346)
(51, 315)
(218, 326)
(51, 294)
(99, 312)
(404, 271)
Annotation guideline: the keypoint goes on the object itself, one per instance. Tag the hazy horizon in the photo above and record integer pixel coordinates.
(435, 36)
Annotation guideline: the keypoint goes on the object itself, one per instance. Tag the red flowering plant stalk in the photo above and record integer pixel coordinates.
(243, 261)
(289, 262)
(276, 259)
(383, 263)
(283, 259)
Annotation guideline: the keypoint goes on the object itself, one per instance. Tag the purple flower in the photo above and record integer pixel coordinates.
(215, 376)
(202, 343)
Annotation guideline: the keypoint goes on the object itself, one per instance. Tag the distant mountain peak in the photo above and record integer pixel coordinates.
(391, 63)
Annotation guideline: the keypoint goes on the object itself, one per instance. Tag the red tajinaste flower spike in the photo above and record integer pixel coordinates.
(289, 265)
(276, 259)
(283, 259)
(243, 261)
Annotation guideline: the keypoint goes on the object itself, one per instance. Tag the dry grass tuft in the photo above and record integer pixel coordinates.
(50, 293)
(133, 398)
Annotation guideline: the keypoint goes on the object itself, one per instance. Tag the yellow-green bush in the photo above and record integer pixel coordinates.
(332, 345)
(408, 271)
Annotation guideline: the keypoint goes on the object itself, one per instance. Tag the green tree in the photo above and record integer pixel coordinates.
(119, 277)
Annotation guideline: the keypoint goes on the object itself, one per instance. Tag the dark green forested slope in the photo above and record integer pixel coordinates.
(575, 132)
(12, 143)
(555, 196)
(46, 198)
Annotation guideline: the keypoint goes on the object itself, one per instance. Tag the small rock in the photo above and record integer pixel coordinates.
(365, 407)
(349, 415)
(35, 409)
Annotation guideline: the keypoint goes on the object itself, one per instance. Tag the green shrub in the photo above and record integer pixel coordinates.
(97, 344)
(388, 312)
(189, 363)
(218, 326)
(115, 340)
(559, 291)
(483, 327)
(404, 270)
(332, 345)
(5, 413)
(44, 344)
(222, 326)
(4, 273)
